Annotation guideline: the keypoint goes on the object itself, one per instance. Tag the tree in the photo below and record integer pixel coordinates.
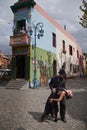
(83, 19)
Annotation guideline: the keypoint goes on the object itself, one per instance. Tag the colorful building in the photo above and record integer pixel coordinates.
(85, 63)
(86, 66)
(40, 46)
(4, 61)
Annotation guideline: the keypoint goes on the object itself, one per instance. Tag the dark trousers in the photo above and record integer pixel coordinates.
(63, 108)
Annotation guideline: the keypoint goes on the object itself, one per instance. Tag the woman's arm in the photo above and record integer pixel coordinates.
(62, 94)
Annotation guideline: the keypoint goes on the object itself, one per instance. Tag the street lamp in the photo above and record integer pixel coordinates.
(38, 32)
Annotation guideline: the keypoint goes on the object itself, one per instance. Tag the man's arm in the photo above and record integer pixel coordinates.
(51, 83)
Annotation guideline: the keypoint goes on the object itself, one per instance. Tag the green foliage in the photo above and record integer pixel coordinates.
(83, 19)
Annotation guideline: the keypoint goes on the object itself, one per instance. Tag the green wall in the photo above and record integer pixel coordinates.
(42, 56)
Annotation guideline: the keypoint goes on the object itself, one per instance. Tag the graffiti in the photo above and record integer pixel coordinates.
(43, 67)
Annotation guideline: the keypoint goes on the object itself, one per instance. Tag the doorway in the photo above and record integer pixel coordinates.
(20, 66)
(54, 68)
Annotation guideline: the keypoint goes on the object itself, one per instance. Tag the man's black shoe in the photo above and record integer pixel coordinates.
(64, 120)
(41, 119)
(55, 120)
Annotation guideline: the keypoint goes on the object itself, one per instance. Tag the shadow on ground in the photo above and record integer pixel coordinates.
(77, 106)
(3, 82)
(37, 117)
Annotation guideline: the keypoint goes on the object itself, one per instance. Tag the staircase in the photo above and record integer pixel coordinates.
(17, 84)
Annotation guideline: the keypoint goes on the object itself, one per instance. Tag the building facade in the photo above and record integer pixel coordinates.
(40, 46)
(4, 61)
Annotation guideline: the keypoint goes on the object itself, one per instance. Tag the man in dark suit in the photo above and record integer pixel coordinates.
(59, 82)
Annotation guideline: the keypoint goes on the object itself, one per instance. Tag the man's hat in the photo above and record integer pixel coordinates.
(62, 72)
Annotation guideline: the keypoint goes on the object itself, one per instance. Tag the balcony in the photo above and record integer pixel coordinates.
(20, 39)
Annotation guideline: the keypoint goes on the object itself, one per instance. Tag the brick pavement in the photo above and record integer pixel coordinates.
(21, 109)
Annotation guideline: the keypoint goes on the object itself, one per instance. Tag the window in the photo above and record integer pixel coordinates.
(70, 49)
(54, 39)
(63, 46)
(77, 54)
(21, 24)
(71, 67)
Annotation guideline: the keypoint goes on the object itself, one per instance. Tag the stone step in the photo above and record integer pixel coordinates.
(17, 84)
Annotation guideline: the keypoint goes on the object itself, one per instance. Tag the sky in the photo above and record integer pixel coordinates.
(65, 12)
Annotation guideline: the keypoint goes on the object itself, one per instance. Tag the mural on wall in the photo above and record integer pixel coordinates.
(43, 72)
(46, 68)
(43, 67)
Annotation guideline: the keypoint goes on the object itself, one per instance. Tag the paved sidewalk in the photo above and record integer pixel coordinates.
(22, 109)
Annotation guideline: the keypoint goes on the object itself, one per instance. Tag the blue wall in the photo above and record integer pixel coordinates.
(44, 42)
(23, 14)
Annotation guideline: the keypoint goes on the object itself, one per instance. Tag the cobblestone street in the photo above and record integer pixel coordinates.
(22, 109)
